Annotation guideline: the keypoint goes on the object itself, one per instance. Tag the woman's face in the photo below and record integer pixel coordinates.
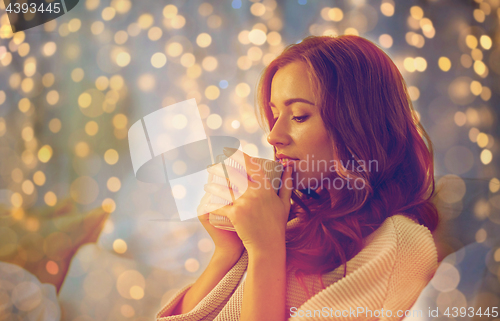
(299, 132)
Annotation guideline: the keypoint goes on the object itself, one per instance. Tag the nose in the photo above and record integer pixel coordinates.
(279, 135)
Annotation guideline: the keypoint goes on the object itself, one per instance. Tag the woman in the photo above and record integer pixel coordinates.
(357, 251)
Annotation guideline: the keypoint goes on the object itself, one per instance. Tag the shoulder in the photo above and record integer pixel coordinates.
(416, 249)
(397, 230)
(401, 240)
(415, 264)
(410, 233)
(397, 261)
(398, 238)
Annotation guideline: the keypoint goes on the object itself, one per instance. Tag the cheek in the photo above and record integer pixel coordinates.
(313, 140)
(317, 167)
(312, 137)
(319, 145)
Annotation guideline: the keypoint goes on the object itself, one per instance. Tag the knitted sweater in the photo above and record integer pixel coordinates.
(396, 263)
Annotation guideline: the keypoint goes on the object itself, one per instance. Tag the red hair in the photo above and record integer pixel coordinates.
(368, 115)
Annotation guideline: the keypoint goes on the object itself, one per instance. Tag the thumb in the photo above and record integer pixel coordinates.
(286, 189)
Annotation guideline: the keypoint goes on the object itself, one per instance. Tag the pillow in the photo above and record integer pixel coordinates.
(24, 297)
(43, 240)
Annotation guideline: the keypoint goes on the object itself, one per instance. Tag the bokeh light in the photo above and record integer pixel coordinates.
(120, 246)
(70, 94)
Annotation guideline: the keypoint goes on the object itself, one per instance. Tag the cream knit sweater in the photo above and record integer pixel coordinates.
(394, 266)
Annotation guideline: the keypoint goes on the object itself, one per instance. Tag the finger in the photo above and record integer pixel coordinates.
(236, 178)
(221, 191)
(253, 168)
(286, 189)
(217, 209)
(203, 217)
(204, 200)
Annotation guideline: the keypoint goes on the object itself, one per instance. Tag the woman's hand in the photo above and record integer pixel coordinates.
(258, 214)
(227, 243)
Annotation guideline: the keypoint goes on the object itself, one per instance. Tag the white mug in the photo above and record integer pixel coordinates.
(272, 169)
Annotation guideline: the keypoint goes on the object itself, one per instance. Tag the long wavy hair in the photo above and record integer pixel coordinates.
(368, 115)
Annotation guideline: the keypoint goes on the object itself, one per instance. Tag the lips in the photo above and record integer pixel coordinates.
(283, 159)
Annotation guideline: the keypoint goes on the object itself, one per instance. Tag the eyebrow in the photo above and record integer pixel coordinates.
(293, 100)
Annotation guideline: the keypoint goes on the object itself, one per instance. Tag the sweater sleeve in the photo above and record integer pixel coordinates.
(415, 266)
(210, 306)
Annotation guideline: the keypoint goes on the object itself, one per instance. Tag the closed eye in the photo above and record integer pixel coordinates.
(300, 119)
